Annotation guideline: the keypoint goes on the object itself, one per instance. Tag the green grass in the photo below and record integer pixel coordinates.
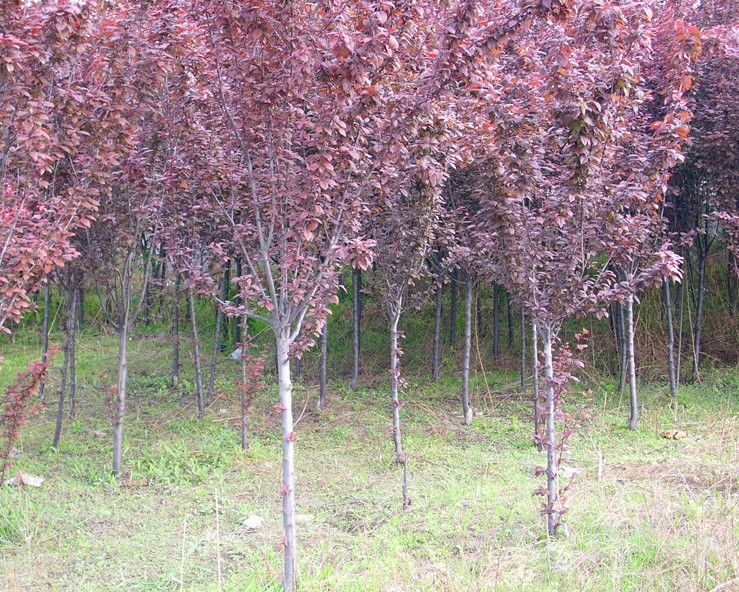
(646, 514)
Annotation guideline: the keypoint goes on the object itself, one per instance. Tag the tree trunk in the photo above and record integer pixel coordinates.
(288, 461)
(634, 403)
(217, 338)
(523, 352)
(395, 378)
(509, 305)
(552, 468)
(244, 389)
(71, 320)
(535, 352)
(238, 300)
(731, 282)
(438, 310)
(453, 311)
(80, 303)
(297, 367)
(356, 324)
(469, 286)
(496, 322)
(176, 332)
(667, 296)
(478, 309)
(703, 256)
(324, 360)
(72, 359)
(622, 347)
(196, 353)
(120, 404)
(224, 336)
(45, 336)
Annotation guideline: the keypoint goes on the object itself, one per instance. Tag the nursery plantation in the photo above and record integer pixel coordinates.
(369, 296)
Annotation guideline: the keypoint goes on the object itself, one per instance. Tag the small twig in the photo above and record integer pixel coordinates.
(725, 585)
(182, 562)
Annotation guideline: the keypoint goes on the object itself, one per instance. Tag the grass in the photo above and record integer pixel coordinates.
(646, 514)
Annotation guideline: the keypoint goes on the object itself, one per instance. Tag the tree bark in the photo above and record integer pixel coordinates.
(356, 324)
(45, 336)
(244, 388)
(478, 310)
(217, 338)
(731, 282)
(535, 352)
(509, 305)
(176, 332)
(68, 352)
(496, 322)
(288, 462)
(700, 300)
(80, 303)
(469, 287)
(634, 402)
(667, 297)
(523, 351)
(323, 363)
(453, 311)
(238, 300)
(196, 353)
(395, 378)
(120, 404)
(438, 310)
(622, 347)
(72, 359)
(552, 468)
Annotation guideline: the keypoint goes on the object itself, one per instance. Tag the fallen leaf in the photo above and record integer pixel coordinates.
(674, 434)
(25, 479)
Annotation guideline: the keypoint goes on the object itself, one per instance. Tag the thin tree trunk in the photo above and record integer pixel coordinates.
(667, 296)
(438, 310)
(72, 359)
(297, 367)
(356, 324)
(622, 348)
(225, 337)
(703, 256)
(323, 364)
(217, 339)
(478, 309)
(400, 456)
(81, 303)
(469, 286)
(69, 335)
(552, 468)
(523, 351)
(196, 353)
(496, 322)
(45, 336)
(288, 462)
(244, 388)
(395, 379)
(453, 311)
(731, 282)
(120, 405)
(238, 300)
(509, 305)
(176, 332)
(535, 352)
(634, 402)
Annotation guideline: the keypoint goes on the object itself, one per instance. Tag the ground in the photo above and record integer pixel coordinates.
(645, 513)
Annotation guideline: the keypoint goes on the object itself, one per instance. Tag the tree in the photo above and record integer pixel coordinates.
(576, 154)
(59, 141)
